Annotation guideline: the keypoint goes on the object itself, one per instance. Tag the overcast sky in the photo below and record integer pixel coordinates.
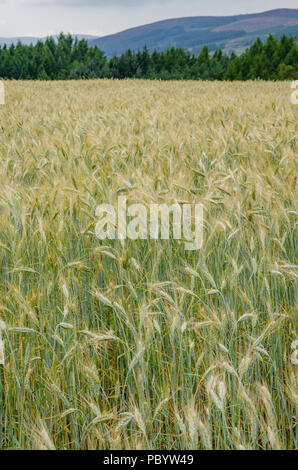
(100, 17)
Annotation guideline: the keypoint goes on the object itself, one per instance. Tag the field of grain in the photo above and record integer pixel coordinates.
(141, 344)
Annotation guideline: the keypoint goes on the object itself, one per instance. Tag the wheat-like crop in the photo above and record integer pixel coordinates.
(141, 344)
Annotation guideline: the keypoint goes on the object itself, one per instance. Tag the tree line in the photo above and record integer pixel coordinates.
(69, 58)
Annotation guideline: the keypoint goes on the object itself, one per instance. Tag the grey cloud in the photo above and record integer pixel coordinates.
(92, 3)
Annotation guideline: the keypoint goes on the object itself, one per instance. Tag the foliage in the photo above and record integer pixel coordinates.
(69, 58)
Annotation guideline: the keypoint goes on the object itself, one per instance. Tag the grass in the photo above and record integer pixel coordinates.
(142, 345)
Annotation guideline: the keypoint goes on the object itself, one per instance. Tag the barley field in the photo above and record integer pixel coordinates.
(141, 344)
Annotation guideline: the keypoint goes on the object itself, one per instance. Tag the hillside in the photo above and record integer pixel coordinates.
(231, 33)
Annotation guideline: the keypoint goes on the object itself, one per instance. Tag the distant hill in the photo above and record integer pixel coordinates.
(231, 33)
(27, 40)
